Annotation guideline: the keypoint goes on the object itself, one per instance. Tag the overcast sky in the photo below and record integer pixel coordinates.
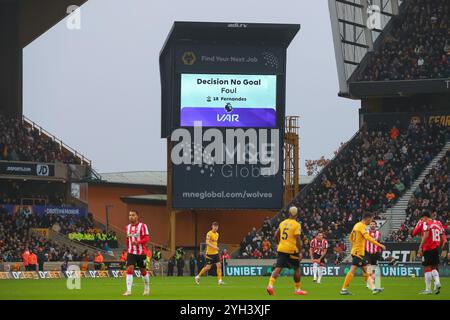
(98, 88)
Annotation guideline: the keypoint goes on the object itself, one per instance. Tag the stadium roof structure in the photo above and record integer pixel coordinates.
(146, 199)
(156, 178)
(356, 26)
(37, 17)
(22, 22)
(149, 178)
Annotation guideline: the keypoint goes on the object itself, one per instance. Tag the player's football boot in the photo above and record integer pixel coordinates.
(345, 292)
(377, 290)
(314, 280)
(301, 292)
(437, 289)
(126, 293)
(197, 279)
(220, 282)
(425, 292)
(146, 293)
(270, 291)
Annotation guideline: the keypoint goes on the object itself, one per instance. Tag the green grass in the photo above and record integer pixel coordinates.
(252, 288)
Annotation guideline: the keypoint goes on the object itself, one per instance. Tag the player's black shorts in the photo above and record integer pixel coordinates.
(431, 257)
(373, 258)
(317, 257)
(136, 260)
(212, 258)
(359, 261)
(286, 260)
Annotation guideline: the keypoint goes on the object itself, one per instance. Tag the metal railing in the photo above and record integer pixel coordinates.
(41, 130)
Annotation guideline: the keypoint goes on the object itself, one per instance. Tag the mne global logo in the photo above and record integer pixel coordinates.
(211, 148)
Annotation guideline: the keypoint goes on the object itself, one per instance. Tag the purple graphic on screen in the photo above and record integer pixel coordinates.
(238, 117)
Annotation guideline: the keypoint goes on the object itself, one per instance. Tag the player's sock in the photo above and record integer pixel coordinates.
(315, 270)
(368, 279)
(428, 279)
(219, 274)
(202, 272)
(320, 273)
(272, 282)
(435, 275)
(297, 286)
(129, 281)
(348, 280)
(145, 277)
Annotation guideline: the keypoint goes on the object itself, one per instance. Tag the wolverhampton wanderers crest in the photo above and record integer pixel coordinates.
(189, 58)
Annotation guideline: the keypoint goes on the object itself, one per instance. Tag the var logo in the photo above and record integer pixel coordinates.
(42, 170)
(228, 118)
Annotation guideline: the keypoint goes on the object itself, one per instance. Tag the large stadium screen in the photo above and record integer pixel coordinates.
(228, 100)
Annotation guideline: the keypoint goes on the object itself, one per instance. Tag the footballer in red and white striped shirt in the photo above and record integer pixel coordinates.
(317, 250)
(433, 239)
(373, 252)
(374, 233)
(137, 238)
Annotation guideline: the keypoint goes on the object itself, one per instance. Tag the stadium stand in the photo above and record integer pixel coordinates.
(433, 194)
(417, 46)
(15, 235)
(20, 141)
(24, 192)
(369, 174)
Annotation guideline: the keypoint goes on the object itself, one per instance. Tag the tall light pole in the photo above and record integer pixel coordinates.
(107, 216)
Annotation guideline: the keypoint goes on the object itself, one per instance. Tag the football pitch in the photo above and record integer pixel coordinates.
(235, 288)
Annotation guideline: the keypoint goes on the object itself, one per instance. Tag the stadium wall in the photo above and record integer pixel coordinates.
(109, 194)
(192, 225)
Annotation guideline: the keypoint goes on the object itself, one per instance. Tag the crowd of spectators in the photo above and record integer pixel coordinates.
(368, 175)
(432, 195)
(25, 193)
(20, 142)
(417, 46)
(15, 235)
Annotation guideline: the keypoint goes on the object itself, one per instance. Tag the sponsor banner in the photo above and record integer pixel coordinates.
(76, 274)
(122, 273)
(244, 178)
(404, 119)
(98, 274)
(331, 270)
(60, 211)
(20, 275)
(43, 232)
(50, 274)
(24, 275)
(44, 210)
(4, 275)
(27, 169)
(402, 251)
(230, 59)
